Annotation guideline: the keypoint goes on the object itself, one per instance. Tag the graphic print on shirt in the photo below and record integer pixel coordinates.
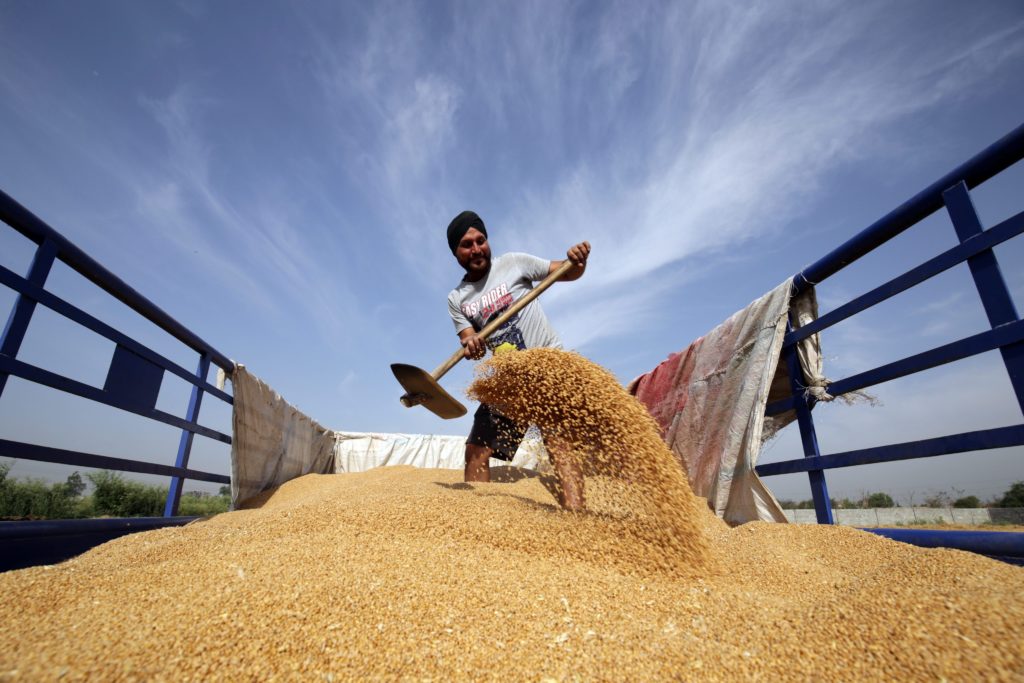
(509, 332)
(493, 302)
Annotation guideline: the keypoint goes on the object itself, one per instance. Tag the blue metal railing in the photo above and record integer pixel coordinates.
(135, 373)
(1006, 333)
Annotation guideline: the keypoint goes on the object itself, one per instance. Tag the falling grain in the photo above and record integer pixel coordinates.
(632, 475)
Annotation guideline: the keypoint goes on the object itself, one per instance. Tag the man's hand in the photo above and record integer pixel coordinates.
(473, 346)
(578, 253)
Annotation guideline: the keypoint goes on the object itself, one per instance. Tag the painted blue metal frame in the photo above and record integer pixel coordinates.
(1006, 334)
(998, 545)
(29, 544)
(996, 158)
(983, 439)
(185, 444)
(808, 435)
(135, 373)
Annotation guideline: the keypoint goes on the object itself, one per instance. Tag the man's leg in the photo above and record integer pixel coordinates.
(480, 445)
(568, 473)
(478, 466)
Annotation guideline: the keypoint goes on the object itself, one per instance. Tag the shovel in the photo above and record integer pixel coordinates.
(422, 388)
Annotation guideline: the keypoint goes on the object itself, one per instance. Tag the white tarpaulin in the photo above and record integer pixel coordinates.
(361, 451)
(709, 401)
(272, 441)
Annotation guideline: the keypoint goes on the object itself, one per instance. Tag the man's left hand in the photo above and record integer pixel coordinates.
(578, 253)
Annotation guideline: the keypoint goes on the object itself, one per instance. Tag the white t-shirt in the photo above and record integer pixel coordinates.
(474, 304)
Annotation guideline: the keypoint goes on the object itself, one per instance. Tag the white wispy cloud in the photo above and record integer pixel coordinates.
(668, 133)
(395, 120)
(767, 120)
(253, 246)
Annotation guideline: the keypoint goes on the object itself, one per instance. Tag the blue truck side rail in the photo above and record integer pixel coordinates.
(132, 384)
(1006, 334)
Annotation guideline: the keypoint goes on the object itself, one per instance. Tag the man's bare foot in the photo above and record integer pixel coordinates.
(569, 476)
(478, 467)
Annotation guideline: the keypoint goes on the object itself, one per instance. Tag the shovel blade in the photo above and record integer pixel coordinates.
(423, 389)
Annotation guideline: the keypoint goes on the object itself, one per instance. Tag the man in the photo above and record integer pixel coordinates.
(488, 288)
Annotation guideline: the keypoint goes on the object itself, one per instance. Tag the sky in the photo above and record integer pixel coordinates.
(279, 176)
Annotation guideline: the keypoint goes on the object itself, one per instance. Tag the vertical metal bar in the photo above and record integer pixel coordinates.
(21, 314)
(988, 278)
(185, 444)
(809, 438)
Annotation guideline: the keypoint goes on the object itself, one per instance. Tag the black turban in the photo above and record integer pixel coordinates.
(460, 225)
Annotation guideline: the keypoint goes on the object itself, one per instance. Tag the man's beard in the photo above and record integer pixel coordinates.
(470, 270)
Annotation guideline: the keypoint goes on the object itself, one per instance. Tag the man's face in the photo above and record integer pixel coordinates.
(474, 253)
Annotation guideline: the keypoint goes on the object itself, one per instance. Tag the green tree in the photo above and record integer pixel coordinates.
(880, 500)
(35, 499)
(967, 502)
(113, 496)
(1014, 496)
(74, 485)
(938, 499)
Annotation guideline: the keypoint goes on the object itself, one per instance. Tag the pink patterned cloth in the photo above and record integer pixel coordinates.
(709, 402)
(663, 390)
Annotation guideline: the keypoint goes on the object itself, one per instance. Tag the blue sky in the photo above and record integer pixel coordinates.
(278, 176)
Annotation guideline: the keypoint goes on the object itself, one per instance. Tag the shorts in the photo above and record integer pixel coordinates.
(495, 431)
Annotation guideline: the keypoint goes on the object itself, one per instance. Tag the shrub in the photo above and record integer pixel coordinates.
(203, 504)
(35, 499)
(940, 499)
(115, 497)
(880, 500)
(967, 502)
(1014, 496)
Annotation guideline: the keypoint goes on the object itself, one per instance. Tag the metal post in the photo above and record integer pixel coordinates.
(185, 444)
(995, 295)
(819, 489)
(21, 314)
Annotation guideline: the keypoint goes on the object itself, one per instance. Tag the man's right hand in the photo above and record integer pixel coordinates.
(473, 347)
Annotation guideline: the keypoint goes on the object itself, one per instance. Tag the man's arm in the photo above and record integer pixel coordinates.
(578, 254)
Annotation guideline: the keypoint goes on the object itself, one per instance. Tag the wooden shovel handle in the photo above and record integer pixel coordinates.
(503, 318)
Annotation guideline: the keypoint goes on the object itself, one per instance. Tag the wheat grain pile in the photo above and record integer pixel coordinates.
(411, 574)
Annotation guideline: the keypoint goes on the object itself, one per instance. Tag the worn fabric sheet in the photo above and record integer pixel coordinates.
(709, 401)
(272, 441)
